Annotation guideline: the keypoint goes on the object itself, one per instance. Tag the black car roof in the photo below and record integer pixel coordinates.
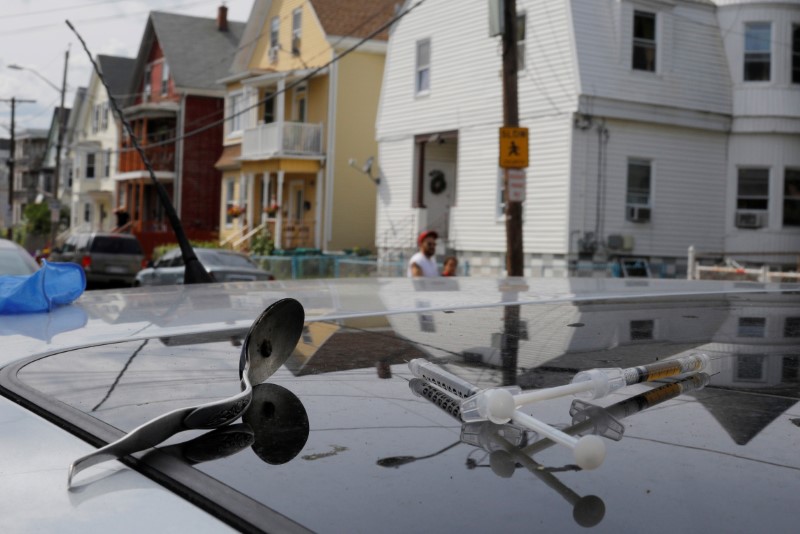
(383, 453)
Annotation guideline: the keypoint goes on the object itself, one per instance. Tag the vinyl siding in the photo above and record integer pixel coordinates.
(691, 70)
(688, 186)
(777, 152)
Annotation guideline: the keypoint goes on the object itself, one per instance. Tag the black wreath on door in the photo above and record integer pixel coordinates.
(438, 183)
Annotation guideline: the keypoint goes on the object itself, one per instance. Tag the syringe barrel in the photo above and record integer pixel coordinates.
(664, 369)
(430, 372)
(449, 404)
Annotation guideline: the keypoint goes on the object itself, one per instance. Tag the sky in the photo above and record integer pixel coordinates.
(34, 35)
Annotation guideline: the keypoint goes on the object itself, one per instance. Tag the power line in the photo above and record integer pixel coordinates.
(294, 84)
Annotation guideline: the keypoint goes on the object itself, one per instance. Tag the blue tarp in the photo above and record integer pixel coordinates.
(52, 285)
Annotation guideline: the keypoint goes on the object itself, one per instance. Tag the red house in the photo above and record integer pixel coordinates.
(176, 111)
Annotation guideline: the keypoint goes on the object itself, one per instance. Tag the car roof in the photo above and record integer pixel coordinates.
(380, 454)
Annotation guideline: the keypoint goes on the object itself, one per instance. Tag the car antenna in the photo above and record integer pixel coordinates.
(194, 273)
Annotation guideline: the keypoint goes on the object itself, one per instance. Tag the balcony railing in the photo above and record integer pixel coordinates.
(162, 158)
(283, 139)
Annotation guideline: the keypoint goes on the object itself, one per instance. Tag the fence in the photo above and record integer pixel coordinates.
(321, 266)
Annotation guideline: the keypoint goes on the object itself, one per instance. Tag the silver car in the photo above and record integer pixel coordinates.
(224, 265)
(15, 260)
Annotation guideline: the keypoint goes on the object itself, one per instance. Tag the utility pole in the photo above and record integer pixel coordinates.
(514, 251)
(12, 149)
(54, 219)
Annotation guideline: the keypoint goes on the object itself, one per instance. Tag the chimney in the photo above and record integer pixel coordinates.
(222, 18)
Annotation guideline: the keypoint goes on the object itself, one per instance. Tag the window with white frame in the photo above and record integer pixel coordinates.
(90, 165)
(104, 116)
(791, 197)
(638, 190)
(235, 107)
(796, 53)
(164, 77)
(96, 117)
(757, 51)
(423, 71)
(274, 28)
(500, 205)
(147, 88)
(644, 41)
(752, 192)
(521, 27)
(107, 162)
(297, 21)
(87, 212)
(230, 200)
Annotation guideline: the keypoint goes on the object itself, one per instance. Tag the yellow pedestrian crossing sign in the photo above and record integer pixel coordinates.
(513, 148)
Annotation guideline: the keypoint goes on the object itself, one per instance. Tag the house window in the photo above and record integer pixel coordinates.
(96, 118)
(274, 26)
(104, 116)
(500, 209)
(791, 197)
(269, 108)
(790, 370)
(750, 367)
(791, 328)
(87, 212)
(637, 193)
(90, 162)
(230, 200)
(642, 330)
(521, 26)
(146, 91)
(644, 41)
(297, 18)
(107, 162)
(757, 42)
(795, 54)
(753, 189)
(423, 82)
(752, 326)
(235, 105)
(164, 78)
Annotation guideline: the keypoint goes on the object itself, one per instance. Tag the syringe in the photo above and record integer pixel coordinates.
(498, 404)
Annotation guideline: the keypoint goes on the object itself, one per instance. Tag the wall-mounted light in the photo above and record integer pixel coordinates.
(366, 168)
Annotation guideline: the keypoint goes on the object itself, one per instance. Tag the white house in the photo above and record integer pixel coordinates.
(645, 138)
(94, 147)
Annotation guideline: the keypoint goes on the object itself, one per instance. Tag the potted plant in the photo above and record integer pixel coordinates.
(235, 211)
(272, 209)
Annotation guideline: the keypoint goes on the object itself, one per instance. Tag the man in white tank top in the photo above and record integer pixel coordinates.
(423, 263)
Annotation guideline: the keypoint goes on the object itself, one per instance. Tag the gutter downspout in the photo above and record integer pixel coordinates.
(330, 155)
(178, 185)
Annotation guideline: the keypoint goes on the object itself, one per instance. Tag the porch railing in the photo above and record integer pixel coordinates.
(286, 138)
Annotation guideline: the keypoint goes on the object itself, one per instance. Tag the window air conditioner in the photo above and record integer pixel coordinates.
(638, 214)
(749, 219)
(273, 54)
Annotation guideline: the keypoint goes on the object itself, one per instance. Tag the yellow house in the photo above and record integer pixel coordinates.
(300, 124)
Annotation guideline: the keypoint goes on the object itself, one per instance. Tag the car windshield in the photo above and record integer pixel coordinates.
(115, 245)
(345, 420)
(14, 262)
(225, 259)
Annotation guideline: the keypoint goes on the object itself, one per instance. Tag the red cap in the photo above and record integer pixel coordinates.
(425, 234)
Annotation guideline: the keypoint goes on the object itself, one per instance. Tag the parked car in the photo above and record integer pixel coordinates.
(107, 258)
(223, 264)
(344, 438)
(15, 260)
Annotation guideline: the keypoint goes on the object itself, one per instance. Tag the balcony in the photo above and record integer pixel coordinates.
(162, 158)
(282, 139)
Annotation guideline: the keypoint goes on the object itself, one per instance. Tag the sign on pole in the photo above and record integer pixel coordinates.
(516, 185)
(513, 147)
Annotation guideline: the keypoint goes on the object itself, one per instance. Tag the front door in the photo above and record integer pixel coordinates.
(438, 196)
